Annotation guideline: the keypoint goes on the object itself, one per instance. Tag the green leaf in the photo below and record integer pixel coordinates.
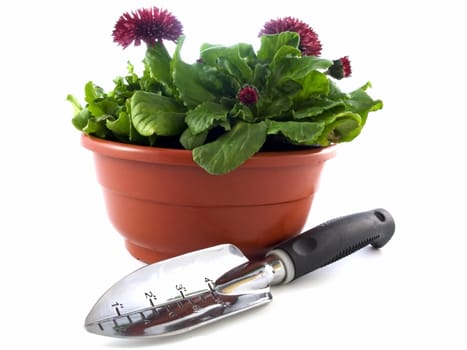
(271, 44)
(104, 106)
(361, 102)
(285, 52)
(246, 52)
(95, 127)
(289, 87)
(243, 112)
(205, 116)
(190, 141)
(189, 84)
(316, 107)
(302, 133)
(260, 74)
(99, 104)
(342, 127)
(158, 61)
(314, 84)
(277, 107)
(81, 119)
(91, 96)
(345, 130)
(80, 115)
(121, 125)
(234, 60)
(231, 149)
(92, 92)
(296, 68)
(155, 114)
(187, 79)
(75, 103)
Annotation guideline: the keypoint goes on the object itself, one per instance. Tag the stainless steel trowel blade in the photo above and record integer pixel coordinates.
(197, 288)
(178, 294)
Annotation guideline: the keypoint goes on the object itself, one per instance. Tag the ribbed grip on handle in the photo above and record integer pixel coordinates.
(336, 239)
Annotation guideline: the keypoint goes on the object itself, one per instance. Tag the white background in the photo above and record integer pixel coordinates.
(59, 252)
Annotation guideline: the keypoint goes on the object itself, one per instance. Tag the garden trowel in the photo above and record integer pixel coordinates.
(194, 289)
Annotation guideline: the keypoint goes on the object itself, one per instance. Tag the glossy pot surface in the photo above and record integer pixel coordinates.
(164, 204)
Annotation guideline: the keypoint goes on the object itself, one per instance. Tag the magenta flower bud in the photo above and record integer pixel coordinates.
(340, 68)
(248, 95)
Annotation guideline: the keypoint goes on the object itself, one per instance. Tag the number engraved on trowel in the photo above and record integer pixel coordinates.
(181, 289)
(151, 297)
(117, 307)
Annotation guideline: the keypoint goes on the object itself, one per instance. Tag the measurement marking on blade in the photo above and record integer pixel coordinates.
(210, 283)
(189, 303)
(117, 305)
(181, 289)
(151, 297)
(149, 314)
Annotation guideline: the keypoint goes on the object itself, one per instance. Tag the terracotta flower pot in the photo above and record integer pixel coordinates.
(164, 204)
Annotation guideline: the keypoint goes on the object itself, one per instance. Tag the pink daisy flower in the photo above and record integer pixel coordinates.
(150, 25)
(309, 42)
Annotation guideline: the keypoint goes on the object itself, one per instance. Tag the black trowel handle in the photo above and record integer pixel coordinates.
(334, 240)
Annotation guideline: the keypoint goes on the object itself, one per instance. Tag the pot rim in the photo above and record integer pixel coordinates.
(181, 157)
